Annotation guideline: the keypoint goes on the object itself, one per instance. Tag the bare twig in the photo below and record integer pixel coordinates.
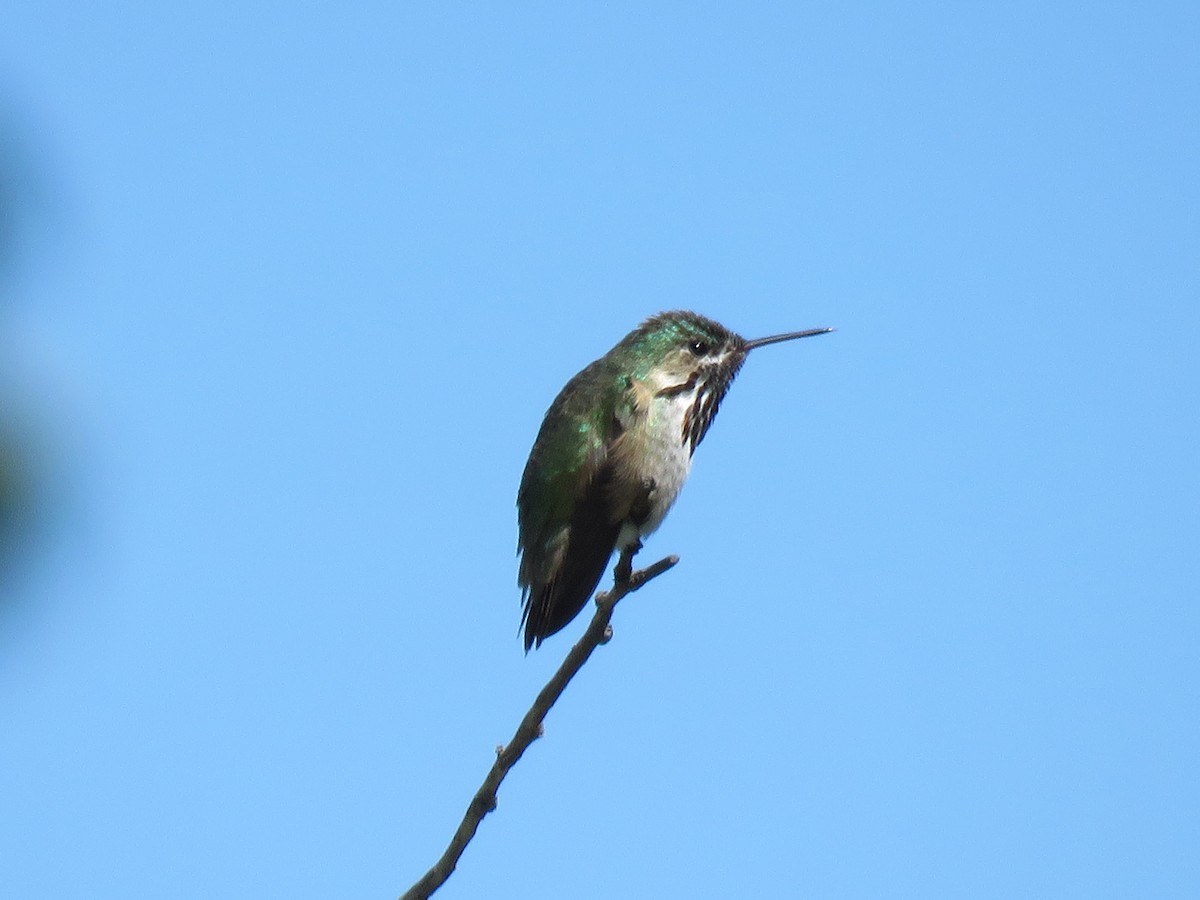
(598, 632)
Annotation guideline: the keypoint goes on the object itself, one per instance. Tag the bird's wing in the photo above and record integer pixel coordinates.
(568, 537)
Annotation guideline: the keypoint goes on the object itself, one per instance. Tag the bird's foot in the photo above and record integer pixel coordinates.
(624, 568)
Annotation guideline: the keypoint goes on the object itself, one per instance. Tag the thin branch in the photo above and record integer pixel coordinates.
(598, 632)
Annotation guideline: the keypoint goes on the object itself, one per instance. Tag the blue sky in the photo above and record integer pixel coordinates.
(292, 289)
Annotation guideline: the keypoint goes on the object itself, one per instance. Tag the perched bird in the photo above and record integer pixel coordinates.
(613, 453)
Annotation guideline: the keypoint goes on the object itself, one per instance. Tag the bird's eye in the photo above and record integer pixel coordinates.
(699, 348)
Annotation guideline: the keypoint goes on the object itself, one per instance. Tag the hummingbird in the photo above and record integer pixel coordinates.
(611, 457)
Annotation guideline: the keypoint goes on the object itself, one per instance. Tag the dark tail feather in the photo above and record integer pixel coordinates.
(551, 606)
(557, 603)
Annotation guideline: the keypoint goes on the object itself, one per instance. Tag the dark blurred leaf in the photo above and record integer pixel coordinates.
(14, 507)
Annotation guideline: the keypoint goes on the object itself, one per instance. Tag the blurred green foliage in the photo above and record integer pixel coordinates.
(9, 492)
(16, 486)
(13, 504)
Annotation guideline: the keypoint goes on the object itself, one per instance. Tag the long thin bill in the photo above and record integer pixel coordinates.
(790, 336)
